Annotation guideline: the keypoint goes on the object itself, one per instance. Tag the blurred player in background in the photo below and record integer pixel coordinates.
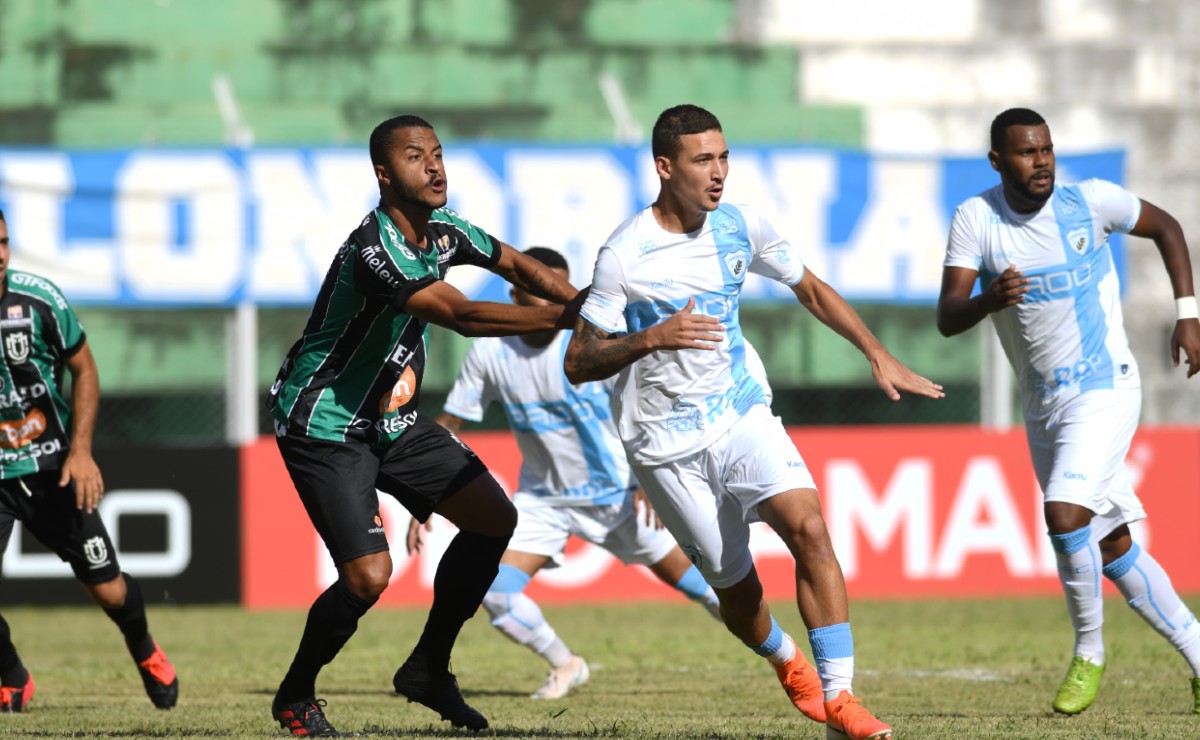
(1041, 252)
(663, 313)
(574, 480)
(345, 409)
(48, 479)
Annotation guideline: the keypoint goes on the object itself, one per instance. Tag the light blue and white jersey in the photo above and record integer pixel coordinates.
(1068, 336)
(671, 403)
(571, 455)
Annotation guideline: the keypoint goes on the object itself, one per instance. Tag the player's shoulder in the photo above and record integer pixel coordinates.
(1095, 189)
(38, 287)
(449, 217)
(983, 207)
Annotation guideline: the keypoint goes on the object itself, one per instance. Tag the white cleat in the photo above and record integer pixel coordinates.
(562, 680)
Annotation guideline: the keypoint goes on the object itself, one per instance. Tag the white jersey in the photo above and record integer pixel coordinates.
(671, 404)
(1068, 336)
(571, 455)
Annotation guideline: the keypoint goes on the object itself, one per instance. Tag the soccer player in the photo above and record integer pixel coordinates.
(48, 479)
(663, 313)
(574, 480)
(345, 409)
(1042, 256)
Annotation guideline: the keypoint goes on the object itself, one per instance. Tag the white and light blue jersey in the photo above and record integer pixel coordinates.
(671, 403)
(571, 455)
(1068, 336)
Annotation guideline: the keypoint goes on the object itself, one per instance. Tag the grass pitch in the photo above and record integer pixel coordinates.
(933, 669)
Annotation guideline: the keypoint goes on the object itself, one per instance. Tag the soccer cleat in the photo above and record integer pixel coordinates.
(1078, 689)
(847, 719)
(561, 680)
(305, 718)
(158, 676)
(15, 699)
(438, 692)
(1195, 695)
(803, 686)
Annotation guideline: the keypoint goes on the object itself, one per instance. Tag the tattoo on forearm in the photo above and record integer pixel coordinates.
(602, 353)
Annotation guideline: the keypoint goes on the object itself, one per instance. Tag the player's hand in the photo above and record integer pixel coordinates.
(1186, 337)
(642, 506)
(89, 484)
(413, 541)
(687, 330)
(1008, 289)
(894, 377)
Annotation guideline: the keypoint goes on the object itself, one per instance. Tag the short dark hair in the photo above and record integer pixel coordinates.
(1, 214)
(381, 137)
(1009, 118)
(548, 257)
(678, 121)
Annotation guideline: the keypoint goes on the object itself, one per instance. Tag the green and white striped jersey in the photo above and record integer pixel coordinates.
(355, 373)
(38, 333)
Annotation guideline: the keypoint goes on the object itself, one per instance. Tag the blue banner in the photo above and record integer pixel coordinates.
(216, 227)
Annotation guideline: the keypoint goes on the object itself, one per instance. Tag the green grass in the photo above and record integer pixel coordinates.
(934, 669)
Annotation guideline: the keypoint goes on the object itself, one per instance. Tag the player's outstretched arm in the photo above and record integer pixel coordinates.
(449, 421)
(957, 311)
(831, 309)
(532, 276)
(595, 354)
(85, 403)
(1155, 223)
(442, 304)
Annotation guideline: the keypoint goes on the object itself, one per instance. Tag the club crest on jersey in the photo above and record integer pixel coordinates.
(736, 263)
(15, 312)
(16, 346)
(1079, 239)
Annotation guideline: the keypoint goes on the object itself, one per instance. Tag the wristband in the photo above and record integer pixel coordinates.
(1186, 308)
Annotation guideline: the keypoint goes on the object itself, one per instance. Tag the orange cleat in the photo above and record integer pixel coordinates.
(158, 676)
(16, 698)
(848, 719)
(803, 686)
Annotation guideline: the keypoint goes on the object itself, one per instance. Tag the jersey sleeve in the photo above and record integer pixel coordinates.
(472, 392)
(1117, 209)
(963, 247)
(62, 331)
(774, 257)
(472, 245)
(608, 298)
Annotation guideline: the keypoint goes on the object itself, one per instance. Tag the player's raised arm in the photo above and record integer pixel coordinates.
(595, 354)
(823, 302)
(1156, 224)
(442, 304)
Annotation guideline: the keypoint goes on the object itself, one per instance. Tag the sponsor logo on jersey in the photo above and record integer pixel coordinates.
(647, 246)
(401, 393)
(443, 248)
(16, 346)
(725, 225)
(396, 423)
(378, 528)
(17, 323)
(660, 284)
(1070, 475)
(18, 433)
(24, 278)
(20, 395)
(15, 312)
(397, 240)
(376, 258)
(685, 416)
(1079, 239)
(96, 552)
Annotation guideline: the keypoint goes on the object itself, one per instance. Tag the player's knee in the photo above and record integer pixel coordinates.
(809, 537)
(110, 594)
(368, 576)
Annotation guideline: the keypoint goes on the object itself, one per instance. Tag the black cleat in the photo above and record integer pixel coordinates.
(16, 698)
(158, 676)
(304, 718)
(438, 692)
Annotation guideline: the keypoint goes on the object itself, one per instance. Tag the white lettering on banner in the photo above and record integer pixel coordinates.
(984, 521)
(35, 187)
(303, 209)
(174, 560)
(210, 264)
(906, 503)
(896, 248)
(569, 200)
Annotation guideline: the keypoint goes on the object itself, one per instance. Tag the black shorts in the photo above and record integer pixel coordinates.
(49, 514)
(337, 482)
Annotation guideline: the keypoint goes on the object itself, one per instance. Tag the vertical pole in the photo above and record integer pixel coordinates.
(241, 392)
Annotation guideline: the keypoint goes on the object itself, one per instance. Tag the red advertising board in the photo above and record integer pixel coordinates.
(917, 511)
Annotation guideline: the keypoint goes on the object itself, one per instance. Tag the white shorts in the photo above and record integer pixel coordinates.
(708, 499)
(544, 530)
(1078, 454)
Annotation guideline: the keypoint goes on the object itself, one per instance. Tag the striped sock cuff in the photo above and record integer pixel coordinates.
(834, 641)
(1071, 542)
(692, 584)
(771, 645)
(1122, 565)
